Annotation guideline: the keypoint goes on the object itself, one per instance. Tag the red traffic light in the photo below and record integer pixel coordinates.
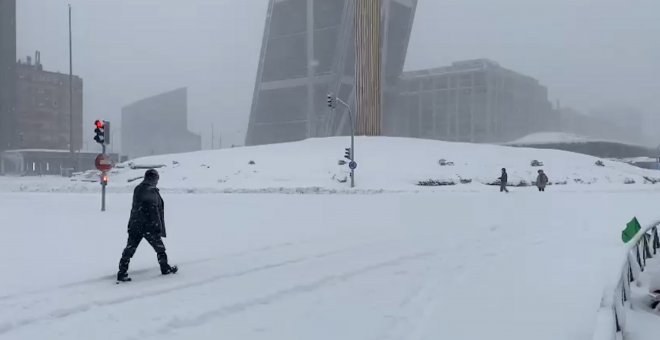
(99, 124)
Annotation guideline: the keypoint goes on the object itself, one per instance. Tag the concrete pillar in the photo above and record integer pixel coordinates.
(368, 89)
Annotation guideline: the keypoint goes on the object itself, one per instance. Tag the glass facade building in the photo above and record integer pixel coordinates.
(307, 52)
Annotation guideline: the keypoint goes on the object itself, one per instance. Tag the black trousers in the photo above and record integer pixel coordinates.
(133, 242)
(503, 188)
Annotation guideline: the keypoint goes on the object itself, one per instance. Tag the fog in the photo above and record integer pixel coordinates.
(590, 54)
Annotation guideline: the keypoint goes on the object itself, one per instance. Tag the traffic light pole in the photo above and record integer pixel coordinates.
(103, 162)
(102, 192)
(350, 115)
(103, 185)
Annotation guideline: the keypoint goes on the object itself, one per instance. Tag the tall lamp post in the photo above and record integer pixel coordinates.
(71, 154)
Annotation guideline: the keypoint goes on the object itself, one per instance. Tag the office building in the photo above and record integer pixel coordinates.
(471, 101)
(158, 125)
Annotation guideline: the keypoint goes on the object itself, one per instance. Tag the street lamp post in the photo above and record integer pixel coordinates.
(71, 146)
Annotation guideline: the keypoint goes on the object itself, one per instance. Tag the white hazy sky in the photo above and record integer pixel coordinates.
(589, 53)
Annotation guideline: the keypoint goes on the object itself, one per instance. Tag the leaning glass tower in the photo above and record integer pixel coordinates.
(308, 51)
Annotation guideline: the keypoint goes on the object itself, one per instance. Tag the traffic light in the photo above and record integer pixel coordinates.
(331, 100)
(99, 131)
(102, 132)
(348, 154)
(104, 179)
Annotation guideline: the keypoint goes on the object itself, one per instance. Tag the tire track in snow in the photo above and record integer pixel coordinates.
(253, 251)
(61, 313)
(283, 294)
(414, 310)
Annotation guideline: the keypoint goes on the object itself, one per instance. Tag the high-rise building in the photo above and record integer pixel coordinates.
(472, 101)
(42, 108)
(7, 74)
(158, 125)
(307, 52)
(629, 121)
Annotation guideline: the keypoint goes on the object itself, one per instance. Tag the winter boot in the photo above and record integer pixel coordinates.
(123, 277)
(167, 269)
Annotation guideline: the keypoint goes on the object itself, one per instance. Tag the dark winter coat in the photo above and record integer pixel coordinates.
(147, 213)
(541, 180)
(504, 178)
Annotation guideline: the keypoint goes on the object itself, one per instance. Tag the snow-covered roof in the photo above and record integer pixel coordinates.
(37, 150)
(640, 159)
(559, 138)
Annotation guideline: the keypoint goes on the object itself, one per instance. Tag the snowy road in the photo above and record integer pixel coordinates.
(410, 267)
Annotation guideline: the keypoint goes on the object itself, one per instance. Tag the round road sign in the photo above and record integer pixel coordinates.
(352, 165)
(103, 162)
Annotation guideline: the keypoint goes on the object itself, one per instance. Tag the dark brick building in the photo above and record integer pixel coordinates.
(42, 107)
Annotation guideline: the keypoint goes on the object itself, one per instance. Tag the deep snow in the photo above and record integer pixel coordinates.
(429, 266)
(415, 263)
(384, 165)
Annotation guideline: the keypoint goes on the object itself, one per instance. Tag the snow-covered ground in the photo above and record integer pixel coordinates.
(384, 165)
(444, 265)
(457, 262)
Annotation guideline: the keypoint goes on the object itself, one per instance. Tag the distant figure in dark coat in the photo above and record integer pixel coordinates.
(504, 178)
(541, 180)
(147, 221)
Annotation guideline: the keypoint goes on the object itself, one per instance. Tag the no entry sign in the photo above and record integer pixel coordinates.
(103, 162)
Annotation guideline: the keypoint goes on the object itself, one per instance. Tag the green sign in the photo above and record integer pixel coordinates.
(632, 228)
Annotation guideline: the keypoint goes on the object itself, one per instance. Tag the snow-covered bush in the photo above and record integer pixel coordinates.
(536, 163)
(522, 183)
(444, 162)
(435, 183)
(600, 163)
(651, 180)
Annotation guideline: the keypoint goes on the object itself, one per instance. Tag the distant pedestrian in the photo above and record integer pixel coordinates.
(541, 180)
(147, 221)
(504, 178)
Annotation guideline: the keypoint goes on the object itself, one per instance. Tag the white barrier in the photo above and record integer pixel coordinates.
(611, 319)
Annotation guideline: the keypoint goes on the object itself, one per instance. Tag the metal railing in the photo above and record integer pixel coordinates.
(611, 320)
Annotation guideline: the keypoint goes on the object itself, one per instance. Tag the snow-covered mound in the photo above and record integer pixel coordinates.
(384, 164)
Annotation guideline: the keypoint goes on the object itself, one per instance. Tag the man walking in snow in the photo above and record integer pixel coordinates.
(504, 178)
(541, 180)
(147, 221)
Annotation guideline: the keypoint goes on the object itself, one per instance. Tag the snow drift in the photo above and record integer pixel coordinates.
(384, 164)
